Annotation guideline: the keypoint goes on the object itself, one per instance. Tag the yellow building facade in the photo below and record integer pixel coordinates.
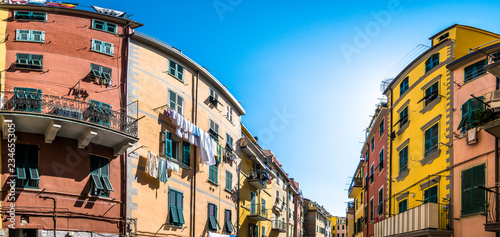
(255, 192)
(420, 134)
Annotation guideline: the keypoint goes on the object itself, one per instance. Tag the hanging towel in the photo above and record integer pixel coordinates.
(176, 167)
(152, 165)
(162, 170)
(178, 132)
(179, 120)
(170, 165)
(205, 153)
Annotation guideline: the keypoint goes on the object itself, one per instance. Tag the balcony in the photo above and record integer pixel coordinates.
(350, 207)
(34, 112)
(257, 183)
(430, 219)
(493, 66)
(356, 187)
(492, 213)
(279, 225)
(278, 206)
(258, 213)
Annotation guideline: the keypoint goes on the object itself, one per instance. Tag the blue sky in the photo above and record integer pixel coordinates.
(287, 57)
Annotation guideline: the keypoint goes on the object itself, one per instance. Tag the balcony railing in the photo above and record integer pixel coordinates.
(258, 212)
(351, 207)
(278, 205)
(492, 212)
(68, 108)
(425, 220)
(279, 225)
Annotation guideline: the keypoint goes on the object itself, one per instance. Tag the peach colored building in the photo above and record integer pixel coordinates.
(197, 199)
(474, 147)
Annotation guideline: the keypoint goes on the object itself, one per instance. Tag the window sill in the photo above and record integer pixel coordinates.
(212, 182)
(480, 213)
(181, 165)
(30, 20)
(181, 80)
(229, 191)
(403, 128)
(430, 157)
(95, 51)
(430, 105)
(114, 33)
(29, 41)
(402, 175)
(170, 225)
(28, 69)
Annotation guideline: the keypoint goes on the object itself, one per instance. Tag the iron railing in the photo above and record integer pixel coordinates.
(350, 207)
(356, 182)
(258, 209)
(34, 102)
(491, 206)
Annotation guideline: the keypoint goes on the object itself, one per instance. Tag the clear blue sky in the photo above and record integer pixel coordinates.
(287, 56)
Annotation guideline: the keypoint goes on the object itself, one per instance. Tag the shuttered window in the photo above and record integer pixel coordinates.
(33, 16)
(473, 197)
(229, 181)
(403, 86)
(431, 93)
(469, 113)
(403, 159)
(103, 47)
(29, 61)
(176, 102)
(403, 206)
(431, 62)
(213, 173)
(176, 215)
(474, 70)
(229, 225)
(213, 224)
(403, 117)
(26, 157)
(176, 70)
(99, 176)
(431, 139)
(30, 35)
(430, 194)
(104, 26)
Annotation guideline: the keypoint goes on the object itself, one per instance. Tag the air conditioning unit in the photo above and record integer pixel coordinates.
(495, 100)
(472, 136)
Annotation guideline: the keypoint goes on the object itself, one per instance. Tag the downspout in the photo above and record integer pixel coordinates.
(193, 191)
(238, 199)
(390, 157)
(123, 158)
(497, 197)
(54, 217)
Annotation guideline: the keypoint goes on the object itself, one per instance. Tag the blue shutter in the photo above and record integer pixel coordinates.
(168, 144)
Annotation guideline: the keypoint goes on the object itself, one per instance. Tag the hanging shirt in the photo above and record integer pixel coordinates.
(205, 152)
(162, 170)
(152, 165)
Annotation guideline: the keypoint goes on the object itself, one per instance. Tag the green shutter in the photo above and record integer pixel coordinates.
(21, 172)
(168, 144)
(34, 173)
(467, 191)
(186, 153)
(180, 210)
(478, 194)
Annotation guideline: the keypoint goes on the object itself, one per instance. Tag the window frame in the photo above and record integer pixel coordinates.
(474, 182)
(213, 129)
(381, 128)
(30, 61)
(429, 145)
(405, 202)
(30, 36)
(431, 62)
(103, 45)
(99, 175)
(475, 70)
(431, 93)
(430, 196)
(212, 219)
(229, 113)
(229, 142)
(404, 85)
(213, 97)
(381, 160)
(228, 221)
(28, 166)
(105, 26)
(403, 117)
(176, 70)
(404, 152)
(213, 173)
(178, 104)
(31, 16)
(469, 119)
(229, 181)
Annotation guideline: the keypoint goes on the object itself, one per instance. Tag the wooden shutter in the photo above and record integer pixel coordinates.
(467, 191)
(180, 210)
(174, 215)
(478, 194)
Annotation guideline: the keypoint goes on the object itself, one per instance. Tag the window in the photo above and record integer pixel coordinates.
(105, 26)
(29, 61)
(213, 224)
(371, 210)
(99, 174)
(34, 16)
(263, 231)
(103, 47)
(213, 129)
(229, 113)
(177, 149)
(213, 98)
(176, 215)
(431, 62)
(373, 143)
(263, 204)
(229, 225)
(176, 102)
(444, 36)
(27, 99)
(381, 128)
(26, 157)
(403, 159)
(403, 206)
(474, 70)
(229, 142)
(380, 201)
(176, 70)
(403, 117)
(430, 195)
(431, 93)
(403, 86)
(100, 113)
(381, 160)
(469, 113)
(213, 173)
(372, 171)
(431, 139)
(30, 35)
(103, 74)
(473, 197)
(229, 181)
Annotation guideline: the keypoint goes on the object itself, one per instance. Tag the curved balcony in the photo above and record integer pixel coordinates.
(34, 112)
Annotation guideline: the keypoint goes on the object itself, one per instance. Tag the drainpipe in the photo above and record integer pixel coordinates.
(123, 158)
(54, 217)
(390, 163)
(193, 191)
(497, 198)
